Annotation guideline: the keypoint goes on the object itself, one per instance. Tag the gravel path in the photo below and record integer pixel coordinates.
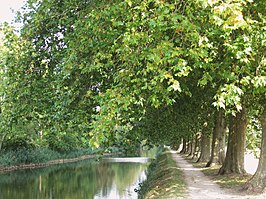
(200, 186)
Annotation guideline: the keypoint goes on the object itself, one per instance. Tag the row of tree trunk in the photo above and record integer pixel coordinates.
(212, 148)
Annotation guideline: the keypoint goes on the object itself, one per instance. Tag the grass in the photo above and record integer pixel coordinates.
(165, 180)
(230, 181)
(227, 181)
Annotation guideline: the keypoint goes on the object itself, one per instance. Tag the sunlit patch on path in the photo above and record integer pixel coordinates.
(200, 186)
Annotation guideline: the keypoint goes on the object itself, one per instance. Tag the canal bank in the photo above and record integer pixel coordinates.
(53, 162)
(164, 178)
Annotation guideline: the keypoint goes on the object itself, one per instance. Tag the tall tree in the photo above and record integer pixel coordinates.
(234, 161)
(218, 139)
(258, 181)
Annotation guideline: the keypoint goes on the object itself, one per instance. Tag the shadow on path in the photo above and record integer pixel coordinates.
(200, 186)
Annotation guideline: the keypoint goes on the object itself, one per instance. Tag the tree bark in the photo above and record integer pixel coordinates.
(221, 141)
(187, 147)
(258, 182)
(205, 148)
(2, 140)
(218, 140)
(40, 132)
(184, 145)
(191, 147)
(189, 151)
(196, 147)
(234, 160)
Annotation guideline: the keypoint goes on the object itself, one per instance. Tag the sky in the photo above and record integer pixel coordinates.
(6, 13)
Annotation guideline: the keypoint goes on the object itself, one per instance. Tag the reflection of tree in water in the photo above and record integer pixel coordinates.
(105, 178)
(81, 180)
(70, 181)
(58, 183)
(126, 175)
(123, 175)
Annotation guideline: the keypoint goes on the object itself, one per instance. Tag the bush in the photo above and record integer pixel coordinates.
(75, 153)
(24, 156)
(39, 155)
(42, 155)
(6, 158)
(18, 143)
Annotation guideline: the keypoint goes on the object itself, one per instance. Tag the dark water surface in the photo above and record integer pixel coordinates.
(112, 179)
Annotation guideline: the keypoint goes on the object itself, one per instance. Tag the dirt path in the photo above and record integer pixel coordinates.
(200, 186)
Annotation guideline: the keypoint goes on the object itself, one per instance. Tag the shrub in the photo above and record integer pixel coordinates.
(38, 155)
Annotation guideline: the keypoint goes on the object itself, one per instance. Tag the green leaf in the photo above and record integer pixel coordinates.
(176, 86)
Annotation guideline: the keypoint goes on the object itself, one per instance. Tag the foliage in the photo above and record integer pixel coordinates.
(155, 70)
(254, 137)
(39, 155)
(25, 156)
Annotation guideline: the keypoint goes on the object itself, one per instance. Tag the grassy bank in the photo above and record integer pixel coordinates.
(164, 179)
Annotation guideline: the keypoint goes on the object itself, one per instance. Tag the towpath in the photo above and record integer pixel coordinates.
(202, 187)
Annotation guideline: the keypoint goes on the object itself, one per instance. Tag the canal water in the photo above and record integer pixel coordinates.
(109, 178)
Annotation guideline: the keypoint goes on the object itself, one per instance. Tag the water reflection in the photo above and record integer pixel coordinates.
(83, 180)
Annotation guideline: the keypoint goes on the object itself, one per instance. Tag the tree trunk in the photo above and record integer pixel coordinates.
(221, 140)
(218, 140)
(184, 145)
(234, 160)
(191, 147)
(40, 133)
(2, 140)
(196, 147)
(187, 147)
(258, 182)
(205, 148)
(214, 146)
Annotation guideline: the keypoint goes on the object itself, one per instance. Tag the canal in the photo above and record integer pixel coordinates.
(112, 178)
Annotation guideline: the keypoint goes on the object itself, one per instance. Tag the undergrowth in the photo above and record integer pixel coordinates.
(39, 155)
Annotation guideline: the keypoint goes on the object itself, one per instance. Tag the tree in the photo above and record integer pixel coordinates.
(234, 160)
(241, 25)
(258, 181)
(218, 139)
